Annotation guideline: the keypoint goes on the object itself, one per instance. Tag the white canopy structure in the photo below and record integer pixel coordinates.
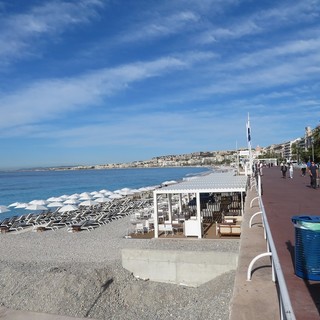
(225, 182)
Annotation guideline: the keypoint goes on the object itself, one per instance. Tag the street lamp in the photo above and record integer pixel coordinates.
(312, 145)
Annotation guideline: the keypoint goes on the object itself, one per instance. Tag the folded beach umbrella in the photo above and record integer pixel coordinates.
(85, 197)
(115, 196)
(74, 196)
(64, 197)
(55, 204)
(88, 203)
(71, 201)
(39, 202)
(13, 204)
(99, 195)
(105, 191)
(53, 199)
(3, 209)
(22, 205)
(35, 207)
(67, 208)
(126, 192)
(84, 194)
(102, 200)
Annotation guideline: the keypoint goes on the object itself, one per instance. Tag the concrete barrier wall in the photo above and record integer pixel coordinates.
(188, 268)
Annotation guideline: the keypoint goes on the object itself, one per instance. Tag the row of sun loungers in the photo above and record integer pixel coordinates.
(81, 219)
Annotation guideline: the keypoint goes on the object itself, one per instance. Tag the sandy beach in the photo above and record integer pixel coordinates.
(80, 274)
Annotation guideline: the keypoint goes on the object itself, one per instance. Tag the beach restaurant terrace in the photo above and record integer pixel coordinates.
(215, 187)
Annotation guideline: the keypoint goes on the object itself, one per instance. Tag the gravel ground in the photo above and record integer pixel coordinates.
(80, 274)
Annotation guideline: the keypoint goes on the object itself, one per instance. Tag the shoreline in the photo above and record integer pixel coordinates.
(101, 167)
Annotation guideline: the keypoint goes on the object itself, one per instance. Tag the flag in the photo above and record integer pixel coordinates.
(248, 131)
(250, 168)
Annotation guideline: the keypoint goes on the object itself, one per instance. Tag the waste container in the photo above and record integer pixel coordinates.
(307, 247)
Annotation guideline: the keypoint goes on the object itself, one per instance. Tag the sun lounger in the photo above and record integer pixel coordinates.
(229, 229)
(139, 228)
(85, 225)
(4, 222)
(43, 227)
(166, 228)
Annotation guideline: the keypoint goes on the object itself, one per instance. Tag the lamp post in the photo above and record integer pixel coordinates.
(312, 145)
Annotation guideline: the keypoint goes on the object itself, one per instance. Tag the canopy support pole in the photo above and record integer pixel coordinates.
(199, 214)
(155, 204)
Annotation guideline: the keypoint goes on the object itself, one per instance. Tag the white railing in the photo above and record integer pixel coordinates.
(286, 311)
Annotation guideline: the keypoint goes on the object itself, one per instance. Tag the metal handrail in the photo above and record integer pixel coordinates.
(286, 310)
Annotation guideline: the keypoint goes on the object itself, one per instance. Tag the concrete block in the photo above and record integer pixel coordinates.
(180, 267)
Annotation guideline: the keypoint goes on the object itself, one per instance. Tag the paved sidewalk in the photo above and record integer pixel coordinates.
(283, 199)
(256, 299)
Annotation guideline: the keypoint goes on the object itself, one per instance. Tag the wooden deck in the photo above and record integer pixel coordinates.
(282, 199)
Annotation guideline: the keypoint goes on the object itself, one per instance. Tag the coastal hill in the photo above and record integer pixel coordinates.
(209, 158)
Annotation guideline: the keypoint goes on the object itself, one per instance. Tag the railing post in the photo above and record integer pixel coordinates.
(286, 311)
(259, 185)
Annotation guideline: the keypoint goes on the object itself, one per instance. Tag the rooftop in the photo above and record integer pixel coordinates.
(213, 182)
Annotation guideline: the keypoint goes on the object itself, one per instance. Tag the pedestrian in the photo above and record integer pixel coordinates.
(303, 169)
(308, 164)
(291, 170)
(314, 175)
(260, 168)
(283, 169)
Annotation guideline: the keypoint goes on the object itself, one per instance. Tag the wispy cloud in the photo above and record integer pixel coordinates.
(51, 98)
(264, 21)
(142, 129)
(160, 27)
(19, 32)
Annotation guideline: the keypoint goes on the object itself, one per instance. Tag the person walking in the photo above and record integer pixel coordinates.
(283, 169)
(260, 168)
(314, 174)
(291, 170)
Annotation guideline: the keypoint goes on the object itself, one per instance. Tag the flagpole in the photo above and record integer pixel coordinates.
(249, 145)
(238, 163)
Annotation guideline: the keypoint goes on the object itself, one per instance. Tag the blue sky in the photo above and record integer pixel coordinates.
(94, 82)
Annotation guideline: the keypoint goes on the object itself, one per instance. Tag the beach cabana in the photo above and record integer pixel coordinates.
(214, 183)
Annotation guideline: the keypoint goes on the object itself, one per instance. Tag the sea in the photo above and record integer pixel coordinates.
(25, 186)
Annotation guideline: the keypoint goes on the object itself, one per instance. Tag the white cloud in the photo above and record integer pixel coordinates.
(19, 33)
(142, 129)
(260, 22)
(161, 27)
(52, 98)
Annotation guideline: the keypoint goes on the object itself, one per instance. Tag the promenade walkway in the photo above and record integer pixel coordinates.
(282, 199)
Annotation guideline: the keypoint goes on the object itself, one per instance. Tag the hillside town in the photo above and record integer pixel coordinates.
(298, 150)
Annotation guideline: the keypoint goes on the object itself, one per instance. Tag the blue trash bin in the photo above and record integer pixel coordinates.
(307, 247)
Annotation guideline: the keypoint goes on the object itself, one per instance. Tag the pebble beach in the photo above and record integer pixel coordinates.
(80, 274)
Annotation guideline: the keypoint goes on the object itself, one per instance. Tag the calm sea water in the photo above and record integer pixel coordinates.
(30, 185)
